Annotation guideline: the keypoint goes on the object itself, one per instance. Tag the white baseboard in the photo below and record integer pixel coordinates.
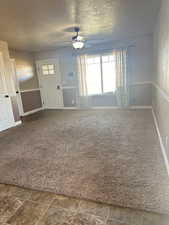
(161, 143)
(17, 123)
(103, 107)
(77, 108)
(32, 111)
(30, 90)
(141, 107)
(117, 107)
(66, 108)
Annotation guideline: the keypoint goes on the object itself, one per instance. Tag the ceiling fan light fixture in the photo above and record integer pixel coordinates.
(78, 44)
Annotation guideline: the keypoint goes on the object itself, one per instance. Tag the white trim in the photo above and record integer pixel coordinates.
(141, 83)
(103, 107)
(163, 93)
(161, 142)
(32, 111)
(141, 107)
(18, 95)
(17, 123)
(30, 90)
(69, 87)
(117, 107)
(74, 87)
(61, 108)
(67, 108)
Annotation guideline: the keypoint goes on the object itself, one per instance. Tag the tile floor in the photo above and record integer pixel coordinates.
(19, 206)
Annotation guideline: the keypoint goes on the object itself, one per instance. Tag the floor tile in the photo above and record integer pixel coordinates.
(93, 208)
(18, 192)
(126, 215)
(28, 214)
(56, 216)
(66, 202)
(59, 216)
(45, 208)
(42, 197)
(86, 219)
(155, 219)
(3, 190)
(116, 222)
(8, 206)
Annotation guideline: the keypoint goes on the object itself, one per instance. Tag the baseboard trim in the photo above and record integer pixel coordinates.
(117, 107)
(30, 90)
(17, 123)
(141, 107)
(66, 108)
(32, 111)
(103, 107)
(141, 83)
(163, 150)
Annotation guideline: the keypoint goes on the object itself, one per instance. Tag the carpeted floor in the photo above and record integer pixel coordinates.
(111, 156)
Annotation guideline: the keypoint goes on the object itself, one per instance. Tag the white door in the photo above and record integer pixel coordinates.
(50, 83)
(6, 113)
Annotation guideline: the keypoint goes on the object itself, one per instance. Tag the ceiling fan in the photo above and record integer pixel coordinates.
(79, 42)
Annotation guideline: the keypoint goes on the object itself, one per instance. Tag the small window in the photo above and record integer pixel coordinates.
(48, 69)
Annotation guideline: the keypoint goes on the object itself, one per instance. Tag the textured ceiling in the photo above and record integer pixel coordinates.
(44, 24)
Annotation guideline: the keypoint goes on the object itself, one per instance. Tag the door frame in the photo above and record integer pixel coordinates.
(38, 63)
(12, 122)
(16, 81)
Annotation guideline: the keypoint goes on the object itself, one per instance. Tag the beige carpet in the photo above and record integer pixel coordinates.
(111, 156)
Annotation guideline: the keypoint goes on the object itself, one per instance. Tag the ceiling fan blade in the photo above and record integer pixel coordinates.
(95, 41)
(66, 42)
(63, 42)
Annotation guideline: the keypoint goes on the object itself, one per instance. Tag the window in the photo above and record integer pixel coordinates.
(108, 73)
(100, 74)
(48, 69)
(93, 76)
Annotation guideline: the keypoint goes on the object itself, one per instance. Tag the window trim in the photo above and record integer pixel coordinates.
(101, 71)
(48, 69)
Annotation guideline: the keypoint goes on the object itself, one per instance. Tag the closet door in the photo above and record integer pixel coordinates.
(6, 113)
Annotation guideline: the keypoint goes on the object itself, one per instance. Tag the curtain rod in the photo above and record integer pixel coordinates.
(128, 46)
(98, 50)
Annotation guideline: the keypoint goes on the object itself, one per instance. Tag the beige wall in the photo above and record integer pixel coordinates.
(25, 68)
(161, 66)
(141, 95)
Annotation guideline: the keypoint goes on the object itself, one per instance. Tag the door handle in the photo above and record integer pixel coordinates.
(58, 87)
(6, 96)
(17, 92)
